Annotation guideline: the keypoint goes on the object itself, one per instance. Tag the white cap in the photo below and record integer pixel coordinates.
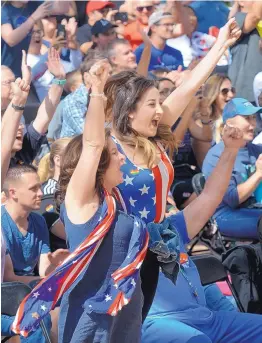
(157, 16)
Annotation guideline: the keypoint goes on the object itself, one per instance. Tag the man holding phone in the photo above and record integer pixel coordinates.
(95, 10)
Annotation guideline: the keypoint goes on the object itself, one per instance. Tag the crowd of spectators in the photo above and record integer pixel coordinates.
(49, 50)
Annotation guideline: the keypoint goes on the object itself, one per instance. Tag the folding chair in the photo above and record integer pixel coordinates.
(221, 242)
(12, 295)
(211, 270)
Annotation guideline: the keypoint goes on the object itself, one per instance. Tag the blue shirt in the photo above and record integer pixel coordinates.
(209, 13)
(179, 299)
(246, 159)
(168, 58)
(74, 112)
(25, 250)
(12, 56)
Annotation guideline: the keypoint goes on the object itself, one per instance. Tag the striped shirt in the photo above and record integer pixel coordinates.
(49, 187)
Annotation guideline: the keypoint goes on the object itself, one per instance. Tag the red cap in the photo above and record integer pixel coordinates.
(98, 5)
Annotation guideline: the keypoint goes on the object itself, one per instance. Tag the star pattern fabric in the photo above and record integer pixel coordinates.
(119, 289)
(144, 191)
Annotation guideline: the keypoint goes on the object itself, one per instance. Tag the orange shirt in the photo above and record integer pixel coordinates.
(132, 35)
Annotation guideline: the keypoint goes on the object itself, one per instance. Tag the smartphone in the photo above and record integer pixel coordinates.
(61, 31)
(122, 16)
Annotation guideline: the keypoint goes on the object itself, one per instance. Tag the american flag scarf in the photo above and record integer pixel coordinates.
(46, 295)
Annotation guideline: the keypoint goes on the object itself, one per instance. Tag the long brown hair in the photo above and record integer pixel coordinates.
(69, 162)
(123, 92)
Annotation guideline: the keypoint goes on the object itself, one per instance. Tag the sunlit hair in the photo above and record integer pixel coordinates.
(69, 162)
(208, 105)
(211, 90)
(124, 90)
(46, 167)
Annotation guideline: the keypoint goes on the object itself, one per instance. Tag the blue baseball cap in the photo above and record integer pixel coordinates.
(239, 106)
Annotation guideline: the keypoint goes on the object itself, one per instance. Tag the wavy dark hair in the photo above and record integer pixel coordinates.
(70, 159)
(123, 91)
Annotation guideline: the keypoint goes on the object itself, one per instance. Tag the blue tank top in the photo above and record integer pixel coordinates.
(107, 259)
(144, 191)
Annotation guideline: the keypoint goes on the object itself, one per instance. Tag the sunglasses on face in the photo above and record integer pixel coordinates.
(148, 8)
(225, 91)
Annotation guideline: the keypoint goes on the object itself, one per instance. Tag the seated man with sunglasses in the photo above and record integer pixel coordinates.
(143, 10)
(161, 26)
(239, 213)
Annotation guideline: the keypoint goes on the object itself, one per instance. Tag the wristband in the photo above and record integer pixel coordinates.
(18, 108)
(59, 82)
(98, 95)
(206, 122)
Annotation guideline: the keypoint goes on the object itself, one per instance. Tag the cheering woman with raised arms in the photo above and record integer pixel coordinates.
(142, 131)
(99, 282)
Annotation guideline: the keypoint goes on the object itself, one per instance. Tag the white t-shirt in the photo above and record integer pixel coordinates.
(183, 44)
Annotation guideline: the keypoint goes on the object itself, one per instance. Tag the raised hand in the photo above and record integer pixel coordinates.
(145, 37)
(26, 70)
(58, 42)
(20, 91)
(229, 34)
(233, 137)
(110, 15)
(98, 75)
(42, 11)
(70, 27)
(54, 64)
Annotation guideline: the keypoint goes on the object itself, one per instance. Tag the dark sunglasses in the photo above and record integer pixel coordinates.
(148, 8)
(225, 91)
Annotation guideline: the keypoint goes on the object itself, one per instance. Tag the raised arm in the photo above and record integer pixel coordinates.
(81, 188)
(201, 209)
(142, 68)
(177, 101)
(14, 36)
(11, 121)
(47, 108)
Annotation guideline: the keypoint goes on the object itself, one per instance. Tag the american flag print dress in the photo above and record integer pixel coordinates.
(144, 191)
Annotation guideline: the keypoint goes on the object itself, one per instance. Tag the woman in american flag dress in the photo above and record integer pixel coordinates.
(142, 132)
(98, 285)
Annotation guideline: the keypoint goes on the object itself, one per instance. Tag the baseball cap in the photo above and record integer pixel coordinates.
(98, 5)
(101, 26)
(157, 16)
(239, 106)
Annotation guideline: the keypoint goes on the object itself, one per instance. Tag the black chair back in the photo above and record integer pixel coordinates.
(211, 270)
(12, 295)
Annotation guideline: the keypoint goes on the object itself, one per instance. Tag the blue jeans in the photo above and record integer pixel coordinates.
(216, 301)
(222, 327)
(226, 325)
(240, 223)
(33, 337)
